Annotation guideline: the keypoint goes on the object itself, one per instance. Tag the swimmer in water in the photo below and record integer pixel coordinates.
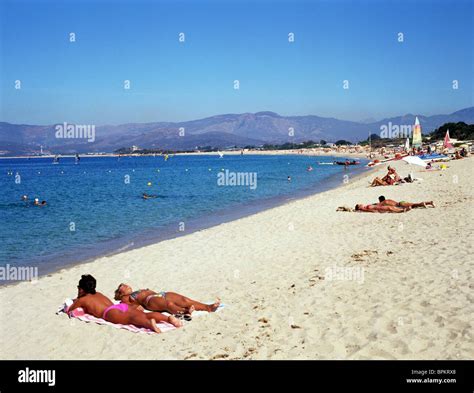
(289, 178)
(309, 169)
(147, 196)
(36, 202)
(24, 198)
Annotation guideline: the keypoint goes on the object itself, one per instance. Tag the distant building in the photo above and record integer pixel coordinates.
(135, 148)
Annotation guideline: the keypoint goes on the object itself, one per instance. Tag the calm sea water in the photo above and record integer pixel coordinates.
(96, 206)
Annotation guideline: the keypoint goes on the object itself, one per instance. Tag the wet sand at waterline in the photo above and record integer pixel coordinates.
(405, 291)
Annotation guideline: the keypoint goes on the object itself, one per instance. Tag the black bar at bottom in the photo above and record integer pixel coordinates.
(91, 376)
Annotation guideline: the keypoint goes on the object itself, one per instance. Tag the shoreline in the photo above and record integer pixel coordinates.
(247, 152)
(154, 236)
(413, 300)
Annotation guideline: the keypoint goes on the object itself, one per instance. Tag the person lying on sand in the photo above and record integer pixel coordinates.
(391, 202)
(171, 302)
(376, 208)
(390, 179)
(100, 306)
(379, 182)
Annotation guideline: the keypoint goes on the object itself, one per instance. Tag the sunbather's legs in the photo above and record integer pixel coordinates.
(189, 304)
(391, 209)
(132, 317)
(378, 182)
(163, 318)
(416, 205)
(162, 304)
(394, 209)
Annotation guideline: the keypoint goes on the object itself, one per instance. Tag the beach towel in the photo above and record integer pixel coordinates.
(344, 209)
(79, 314)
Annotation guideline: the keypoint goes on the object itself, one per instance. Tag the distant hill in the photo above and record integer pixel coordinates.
(218, 131)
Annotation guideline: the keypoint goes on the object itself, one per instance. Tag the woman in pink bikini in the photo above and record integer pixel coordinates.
(171, 302)
(100, 306)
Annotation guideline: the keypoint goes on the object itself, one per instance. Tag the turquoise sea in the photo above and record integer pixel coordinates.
(96, 207)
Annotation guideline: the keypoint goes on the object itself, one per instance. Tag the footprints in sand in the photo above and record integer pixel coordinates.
(262, 336)
(371, 256)
(361, 256)
(220, 356)
(249, 352)
(425, 303)
(315, 278)
(367, 256)
(292, 289)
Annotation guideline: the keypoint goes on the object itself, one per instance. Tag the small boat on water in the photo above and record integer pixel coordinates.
(353, 162)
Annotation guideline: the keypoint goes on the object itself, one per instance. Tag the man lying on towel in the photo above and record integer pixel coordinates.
(100, 306)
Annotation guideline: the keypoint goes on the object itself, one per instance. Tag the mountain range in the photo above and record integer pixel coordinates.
(219, 131)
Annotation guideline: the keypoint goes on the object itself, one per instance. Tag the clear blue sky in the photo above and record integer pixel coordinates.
(82, 82)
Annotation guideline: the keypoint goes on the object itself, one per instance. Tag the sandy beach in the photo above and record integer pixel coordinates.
(406, 291)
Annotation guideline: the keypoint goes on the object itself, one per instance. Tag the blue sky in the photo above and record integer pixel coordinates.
(357, 41)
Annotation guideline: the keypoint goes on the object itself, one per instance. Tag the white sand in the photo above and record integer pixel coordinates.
(415, 302)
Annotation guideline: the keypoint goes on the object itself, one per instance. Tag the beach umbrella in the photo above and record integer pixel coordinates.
(415, 160)
(447, 141)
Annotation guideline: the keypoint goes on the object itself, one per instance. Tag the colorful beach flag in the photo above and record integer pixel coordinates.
(416, 142)
(447, 141)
